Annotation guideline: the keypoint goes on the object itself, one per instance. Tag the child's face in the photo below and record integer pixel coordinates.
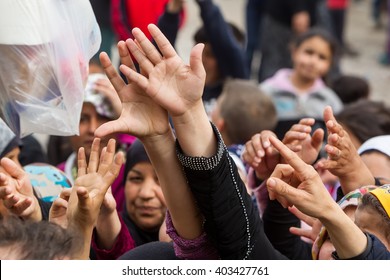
(312, 59)
(145, 201)
(368, 220)
(90, 120)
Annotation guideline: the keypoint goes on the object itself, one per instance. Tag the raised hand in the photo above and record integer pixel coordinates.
(343, 160)
(17, 193)
(260, 154)
(298, 139)
(92, 183)
(140, 116)
(170, 82)
(311, 197)
(297, 183)
(59, 207)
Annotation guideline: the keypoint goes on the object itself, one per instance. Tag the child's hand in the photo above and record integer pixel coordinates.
(92, 183)
(299, 140)
(343, 160)
(59, 207)
(260, 154)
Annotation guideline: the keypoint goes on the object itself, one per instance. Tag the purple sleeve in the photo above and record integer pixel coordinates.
(259, 190)
(124, 242)
(199, 248)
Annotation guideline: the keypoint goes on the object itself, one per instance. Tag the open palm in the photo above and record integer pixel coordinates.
(140, 116)
(170, 82)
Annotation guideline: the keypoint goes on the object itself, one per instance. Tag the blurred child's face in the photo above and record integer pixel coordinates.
(210, 65)
(145, 201)
(90, 120)
(368, 220)
(312, 59)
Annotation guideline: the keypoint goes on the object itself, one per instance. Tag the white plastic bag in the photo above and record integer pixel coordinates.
(45, 47)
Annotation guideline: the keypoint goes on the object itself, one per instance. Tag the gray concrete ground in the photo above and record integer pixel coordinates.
(360, 33)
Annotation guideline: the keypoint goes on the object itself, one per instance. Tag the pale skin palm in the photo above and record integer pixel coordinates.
(140, 115)
(171, 83)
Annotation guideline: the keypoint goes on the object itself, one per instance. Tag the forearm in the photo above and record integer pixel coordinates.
(194, 132)
(108, 228)
(180, 201)
(227, 49)
(85, 234)
(36, 213)
(346, 237)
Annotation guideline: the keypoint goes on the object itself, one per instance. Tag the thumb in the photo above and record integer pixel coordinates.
(111, 127)
(12, 168)
(196, 62)
(317, 138)
(282, 190)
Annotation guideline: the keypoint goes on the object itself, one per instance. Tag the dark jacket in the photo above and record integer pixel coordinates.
(229, 53)
(375, 250)
(231, 220)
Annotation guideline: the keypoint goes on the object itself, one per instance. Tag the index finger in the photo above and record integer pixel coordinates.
(115, 79)
(291, 158)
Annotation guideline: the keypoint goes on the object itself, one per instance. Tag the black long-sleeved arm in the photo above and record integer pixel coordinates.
(227, 50)
(231, 220)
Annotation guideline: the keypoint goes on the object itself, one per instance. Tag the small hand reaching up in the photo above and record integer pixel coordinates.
(90, 187)
(343, 160)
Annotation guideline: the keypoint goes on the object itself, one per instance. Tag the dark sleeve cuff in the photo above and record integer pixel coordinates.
(362, 256)
(202, 163)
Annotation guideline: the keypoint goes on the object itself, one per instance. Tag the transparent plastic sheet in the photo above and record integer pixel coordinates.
(45, 47)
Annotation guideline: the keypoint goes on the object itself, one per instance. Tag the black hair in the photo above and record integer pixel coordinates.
(323, 34)
(134, 155)
(365, 119)
(30, 240)
(350, 88)
(201, 35)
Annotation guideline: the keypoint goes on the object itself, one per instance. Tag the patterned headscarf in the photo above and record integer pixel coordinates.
(383, 195)
(350, 199)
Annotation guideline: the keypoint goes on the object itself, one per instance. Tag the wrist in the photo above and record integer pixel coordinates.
(152, 140)
(36, 215)
(356, 178)
(195, 133)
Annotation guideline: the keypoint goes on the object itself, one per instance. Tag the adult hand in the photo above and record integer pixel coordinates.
(17, 193)
(343, 160)
(140, 116)
(170, 82)
(297, 183)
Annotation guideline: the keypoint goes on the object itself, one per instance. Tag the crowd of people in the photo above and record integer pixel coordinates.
(194, 161)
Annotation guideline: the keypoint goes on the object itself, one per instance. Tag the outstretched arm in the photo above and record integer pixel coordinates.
(343, 160)
(231, 220)
(310, 197)
(93, 180)
(147, 120)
